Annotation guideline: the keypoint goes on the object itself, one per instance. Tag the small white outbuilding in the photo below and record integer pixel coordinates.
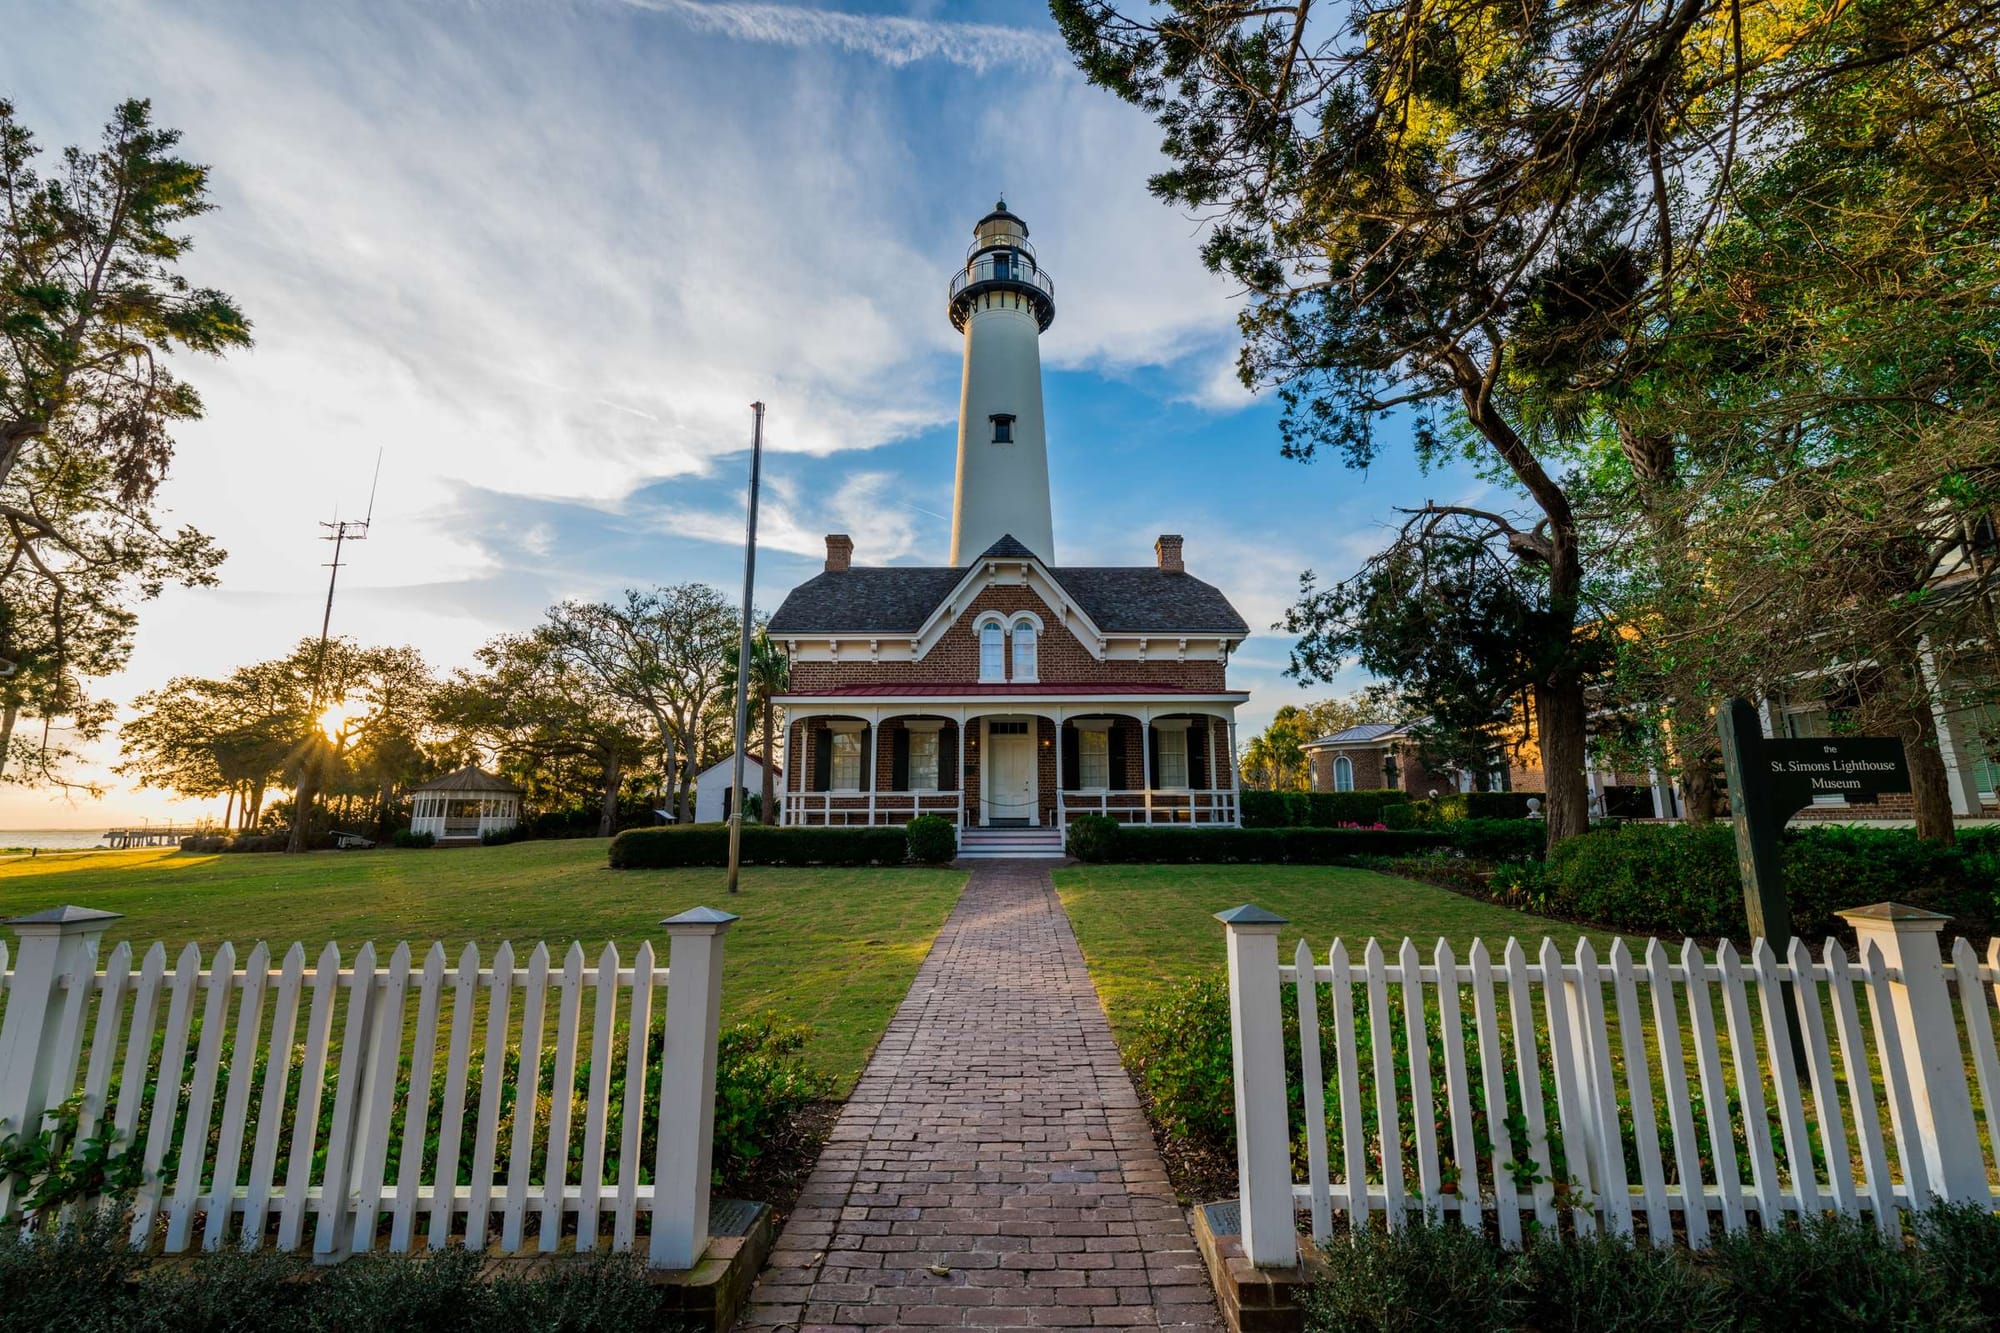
(711, 787)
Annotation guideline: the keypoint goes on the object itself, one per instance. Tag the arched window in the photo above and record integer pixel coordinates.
(1024, 650)
(1343, 773)
(992, 652)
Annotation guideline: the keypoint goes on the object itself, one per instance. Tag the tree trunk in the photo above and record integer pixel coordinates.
(7, 719)
(229, 809)
(607, 812)
(1560, 718)
(253, 805)
(767, 812)
(1695, 751)
(305, 796)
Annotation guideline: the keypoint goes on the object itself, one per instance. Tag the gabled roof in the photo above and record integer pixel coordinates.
(1364, 734)
(470, 778)
(753, 756)
(898, 599)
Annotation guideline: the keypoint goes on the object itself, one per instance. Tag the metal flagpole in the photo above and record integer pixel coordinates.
(743, 653)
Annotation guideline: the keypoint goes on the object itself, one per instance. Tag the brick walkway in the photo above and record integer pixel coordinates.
(992, 1169)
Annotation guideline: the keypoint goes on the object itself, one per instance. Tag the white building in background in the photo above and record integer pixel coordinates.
(711, 787)
(465, 806)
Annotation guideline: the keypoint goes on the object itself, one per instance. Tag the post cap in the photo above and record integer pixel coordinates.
(1900, 916)
(1249, 914)
(699, 919)
(64, 920)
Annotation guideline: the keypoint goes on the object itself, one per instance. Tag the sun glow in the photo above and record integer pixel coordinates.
(338, 715)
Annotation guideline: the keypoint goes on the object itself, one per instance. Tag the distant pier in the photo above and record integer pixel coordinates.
(149, 836)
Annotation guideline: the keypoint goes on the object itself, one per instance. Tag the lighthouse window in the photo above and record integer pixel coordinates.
(1003, 428)
(1024, 650)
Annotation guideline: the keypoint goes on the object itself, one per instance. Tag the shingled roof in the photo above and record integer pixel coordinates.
(897, 599)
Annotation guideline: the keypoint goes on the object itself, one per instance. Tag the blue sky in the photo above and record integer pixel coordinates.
(543, 253)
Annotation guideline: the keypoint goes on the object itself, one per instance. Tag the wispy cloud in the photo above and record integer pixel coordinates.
(892, 39)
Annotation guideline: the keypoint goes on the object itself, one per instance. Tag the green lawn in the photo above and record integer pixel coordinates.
(835, 949)
(1144, 928)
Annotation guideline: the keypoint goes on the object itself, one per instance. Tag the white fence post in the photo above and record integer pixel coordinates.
(51, 944)
(687, 1087)
(1257, 1042)
(1933, 1062)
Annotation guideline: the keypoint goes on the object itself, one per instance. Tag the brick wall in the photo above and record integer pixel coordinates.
(1061, 656)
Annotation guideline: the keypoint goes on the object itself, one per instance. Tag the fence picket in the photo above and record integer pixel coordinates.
(1861, 1091)
(1750, 1087)
(1573, 1107)
(166, 1103)
(1422, 1114)
(1528, 1072)
(374, 1109)
(1639, 1087)
(1826, 1093)
(1785, 1087)
(271, 1104)
(139, 1045)
(1594, 1032)
(527, 1099)
(1493, 1073)
(1353, 1160)
(329, 1230)
(492, 1077)
(312, 1090)
(562, 1091)
(201, 1100)
(1714, 1091)
(1889, 1047)
(590, 1200)
(451, 1120)
(221, 1203)
(103, 1041)
(1457, 1089)
(416, 1110)
(1388, 1122)
(1674, 1079)
(1979, 1030)
(1305, 985)
(638, 1039)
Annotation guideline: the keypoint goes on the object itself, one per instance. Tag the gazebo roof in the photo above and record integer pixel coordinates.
(470, 778)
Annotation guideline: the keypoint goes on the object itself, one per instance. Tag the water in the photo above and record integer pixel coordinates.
(51, 839)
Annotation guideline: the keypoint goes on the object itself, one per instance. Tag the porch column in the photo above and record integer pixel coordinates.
(1235, 778)
(874, 732)
(964, 738)
(1062, 816)
(1146, 758)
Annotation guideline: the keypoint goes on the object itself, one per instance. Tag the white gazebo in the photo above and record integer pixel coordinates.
(465, 806)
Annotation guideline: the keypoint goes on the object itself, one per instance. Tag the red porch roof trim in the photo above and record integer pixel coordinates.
(930, 690)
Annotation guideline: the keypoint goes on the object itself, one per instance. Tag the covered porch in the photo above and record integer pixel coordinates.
(1011, 762)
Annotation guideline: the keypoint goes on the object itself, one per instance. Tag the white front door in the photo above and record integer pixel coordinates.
(1007, 786)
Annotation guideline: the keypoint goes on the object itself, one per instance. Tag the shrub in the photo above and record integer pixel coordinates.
(708, 845)
(1399, 815)
(269, 842)
(1452, 806)
(761, 1086)
(1498, 839)
(933, 839)
(1316, 809)
(1094, 838)
(1106, 840)
(1680, 879)
(1428, 1275)
(1179, 1054)
(1607, 1282)
(405, 838)
(500, 837)
(1835, 1272)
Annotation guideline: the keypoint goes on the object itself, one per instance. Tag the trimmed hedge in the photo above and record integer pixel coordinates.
(1452, 807)
(1100, 840)
(763, 845)
(1499, 839)
(1316, 809)
(933, 839)
(1681, 879)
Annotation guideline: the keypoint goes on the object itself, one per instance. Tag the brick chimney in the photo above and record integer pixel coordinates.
(839, 552)
(1168, 549)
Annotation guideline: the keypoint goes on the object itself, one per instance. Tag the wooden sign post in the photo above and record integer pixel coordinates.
(1770, 780)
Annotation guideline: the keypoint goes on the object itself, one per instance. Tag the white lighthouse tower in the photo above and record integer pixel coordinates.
(1001, 300)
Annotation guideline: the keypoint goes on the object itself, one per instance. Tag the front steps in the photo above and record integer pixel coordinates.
(992, 844)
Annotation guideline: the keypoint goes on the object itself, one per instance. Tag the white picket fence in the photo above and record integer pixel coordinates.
(1665, 1095)
(268, 1099)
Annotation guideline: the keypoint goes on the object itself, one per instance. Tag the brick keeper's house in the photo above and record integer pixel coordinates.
(1005, 691)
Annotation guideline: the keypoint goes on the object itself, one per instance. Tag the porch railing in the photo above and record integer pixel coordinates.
(871, 807)
(1203, 806)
